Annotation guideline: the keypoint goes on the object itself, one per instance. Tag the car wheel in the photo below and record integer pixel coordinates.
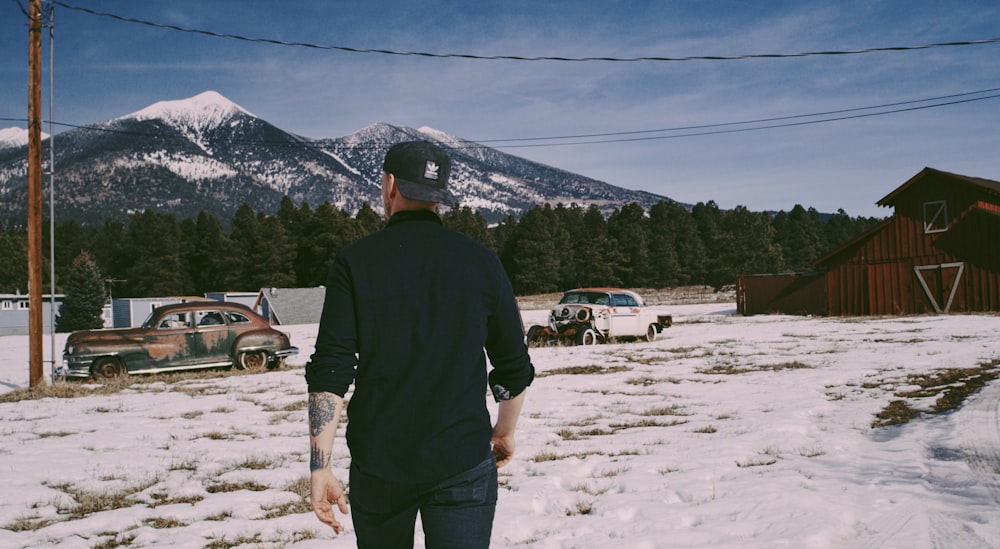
(251, 360)
(586, 336)
(583, 315)
(532, 334)
(651, 332)
(106, 368)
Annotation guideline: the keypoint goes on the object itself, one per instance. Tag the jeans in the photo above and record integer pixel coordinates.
(456, 512)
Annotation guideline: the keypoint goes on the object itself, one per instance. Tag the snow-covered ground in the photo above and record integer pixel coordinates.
(653, 447)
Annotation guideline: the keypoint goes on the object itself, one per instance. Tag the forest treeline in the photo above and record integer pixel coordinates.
(548, 249)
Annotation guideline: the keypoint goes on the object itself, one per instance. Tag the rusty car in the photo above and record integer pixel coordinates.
(184, 336)
(587, 316)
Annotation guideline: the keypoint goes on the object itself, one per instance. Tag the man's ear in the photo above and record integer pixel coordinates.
(392, 185)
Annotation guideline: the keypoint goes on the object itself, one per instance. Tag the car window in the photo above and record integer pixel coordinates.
(570, 298)
(597, 298)
(237, 318)
(624, 300)
(174, 321)
(208, 318)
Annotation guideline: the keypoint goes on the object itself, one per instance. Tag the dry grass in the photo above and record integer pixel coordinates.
(86, 502)
(583, 370)
(300, 488)
(734, 369)
(145, 383)
(225, 487)
(952, 386)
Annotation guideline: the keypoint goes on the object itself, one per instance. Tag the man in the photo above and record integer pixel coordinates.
(408, 312)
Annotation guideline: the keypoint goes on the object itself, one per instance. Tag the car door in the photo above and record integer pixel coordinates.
(168, 343)
(213, 337)
(625, 319)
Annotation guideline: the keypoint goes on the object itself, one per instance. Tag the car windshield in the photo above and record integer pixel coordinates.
(598, 298)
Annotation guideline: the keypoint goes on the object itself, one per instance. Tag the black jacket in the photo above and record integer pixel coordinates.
(408, 312)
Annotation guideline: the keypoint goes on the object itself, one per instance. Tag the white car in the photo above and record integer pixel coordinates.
(588, 316)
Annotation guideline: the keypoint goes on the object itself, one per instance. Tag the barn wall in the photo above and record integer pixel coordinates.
(901, 269)
(795, 293)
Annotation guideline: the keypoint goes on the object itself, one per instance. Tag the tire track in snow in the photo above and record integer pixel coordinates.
(970, 434)
(978, 434)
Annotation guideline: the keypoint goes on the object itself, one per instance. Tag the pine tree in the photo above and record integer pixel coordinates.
(153, 248)
(662, 246)
(368, 219)
(597, 254)
(751, 248)
(691, 256)
(530, 256)
(468, 222)
(799, 233)
(14, 251)
(211, 255)
(81, 308)
(628, 227)
(708, 219)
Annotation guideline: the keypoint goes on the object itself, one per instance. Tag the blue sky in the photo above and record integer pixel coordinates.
(105, 68)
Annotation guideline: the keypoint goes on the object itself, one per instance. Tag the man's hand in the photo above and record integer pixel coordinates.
(503, 431)
(326, 489)
(503, 448)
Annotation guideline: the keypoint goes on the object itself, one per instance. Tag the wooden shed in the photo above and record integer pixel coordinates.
(788, 293)
(938, 253)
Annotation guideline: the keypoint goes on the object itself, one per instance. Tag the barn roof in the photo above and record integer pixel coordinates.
(829, 256)
(987, 184)
(889, 200)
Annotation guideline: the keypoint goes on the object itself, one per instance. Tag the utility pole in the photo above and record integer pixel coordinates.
(52, 192)
(35, 194)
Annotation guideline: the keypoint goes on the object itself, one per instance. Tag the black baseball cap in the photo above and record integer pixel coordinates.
(421, 169)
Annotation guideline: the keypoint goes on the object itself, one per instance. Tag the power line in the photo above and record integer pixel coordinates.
(756, 128)
(756, 121)
(517, 57)
(616, 137)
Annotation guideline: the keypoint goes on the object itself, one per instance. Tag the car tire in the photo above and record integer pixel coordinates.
(651, 332)
(251, 360)
(587, 336)
(107, 368)
(532, 335)
(583, 315)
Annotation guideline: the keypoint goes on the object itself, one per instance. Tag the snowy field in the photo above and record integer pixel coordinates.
(725, 432)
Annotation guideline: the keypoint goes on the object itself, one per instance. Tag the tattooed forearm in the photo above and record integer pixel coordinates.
(318, 459)
(322, 409)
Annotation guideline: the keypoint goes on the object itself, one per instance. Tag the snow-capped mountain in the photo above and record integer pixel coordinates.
(207, 153)
(15, 137)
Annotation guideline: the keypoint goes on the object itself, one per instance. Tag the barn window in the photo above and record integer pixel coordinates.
(935, 217)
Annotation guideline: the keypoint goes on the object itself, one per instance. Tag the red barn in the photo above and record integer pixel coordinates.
(938, 253)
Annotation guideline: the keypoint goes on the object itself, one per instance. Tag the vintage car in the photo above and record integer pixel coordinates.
(588, 316)
(195, 335)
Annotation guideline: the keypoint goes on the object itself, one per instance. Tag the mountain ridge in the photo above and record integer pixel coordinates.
(207, 153)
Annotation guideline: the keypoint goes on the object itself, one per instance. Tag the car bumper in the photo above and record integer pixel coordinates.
(73, 367)
(285, 353)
